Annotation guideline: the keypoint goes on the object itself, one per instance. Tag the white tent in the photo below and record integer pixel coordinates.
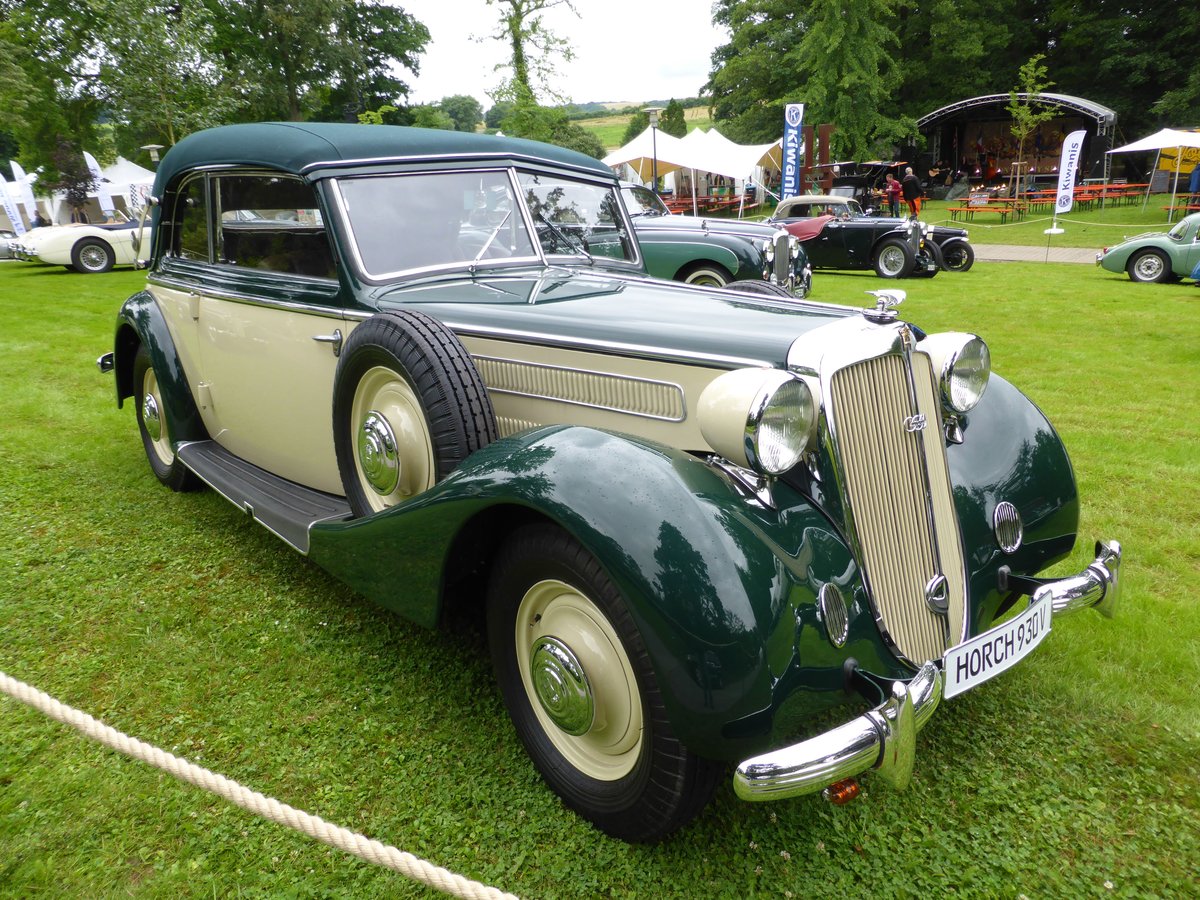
(651, 149)
(1167, 139)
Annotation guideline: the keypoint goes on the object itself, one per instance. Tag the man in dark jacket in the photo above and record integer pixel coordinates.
(910, 186)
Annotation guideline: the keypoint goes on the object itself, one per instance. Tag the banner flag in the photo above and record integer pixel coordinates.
(793, 150)
(23, 183)
(10, 208)
(1067, 167)
(103, 197)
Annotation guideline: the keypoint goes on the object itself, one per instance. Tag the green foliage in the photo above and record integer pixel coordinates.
(430, 116)
(672, 122)
(551, 125)
(1023, 106)
(638, 123)
(497, 113)
(375, 116)
(464, 110)
(535, 51)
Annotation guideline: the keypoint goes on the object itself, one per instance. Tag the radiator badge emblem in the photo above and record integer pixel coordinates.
(914, 423)
(937, 595)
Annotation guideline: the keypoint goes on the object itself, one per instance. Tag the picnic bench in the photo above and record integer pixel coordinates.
(1004, 210)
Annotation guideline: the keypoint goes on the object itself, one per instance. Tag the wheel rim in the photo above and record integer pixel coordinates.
(153, 422)
(93, 257)
(579, 680)
(1149, 267)
(706, 278)
(393, 452)
(891, 260)
(955, 259)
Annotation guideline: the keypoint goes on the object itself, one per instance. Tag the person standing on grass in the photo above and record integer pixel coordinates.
(910, 187)
(892, 190)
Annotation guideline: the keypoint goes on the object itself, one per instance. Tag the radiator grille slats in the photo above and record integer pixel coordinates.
(906, 537)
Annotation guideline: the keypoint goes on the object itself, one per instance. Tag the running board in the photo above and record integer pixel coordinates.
(283, 507)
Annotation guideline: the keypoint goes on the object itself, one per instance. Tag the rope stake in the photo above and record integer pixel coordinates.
(334, 835)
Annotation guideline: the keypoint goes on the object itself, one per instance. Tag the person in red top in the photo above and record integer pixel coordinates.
(892, 190)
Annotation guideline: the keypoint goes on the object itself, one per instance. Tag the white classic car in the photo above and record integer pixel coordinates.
(84, 248)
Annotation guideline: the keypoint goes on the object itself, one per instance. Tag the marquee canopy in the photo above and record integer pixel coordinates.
(702, 151)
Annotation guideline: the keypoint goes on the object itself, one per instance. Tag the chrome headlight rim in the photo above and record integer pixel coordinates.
(964, 366)
(761, 419)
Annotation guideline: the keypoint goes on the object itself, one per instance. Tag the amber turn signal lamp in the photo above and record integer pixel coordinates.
(841, 792)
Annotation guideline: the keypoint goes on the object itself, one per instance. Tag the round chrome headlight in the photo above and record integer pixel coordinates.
(758, 418)
(768, 249)
(964, 365)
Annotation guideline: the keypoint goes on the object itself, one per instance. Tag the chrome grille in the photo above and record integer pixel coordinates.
(899, 502)
(782, 273)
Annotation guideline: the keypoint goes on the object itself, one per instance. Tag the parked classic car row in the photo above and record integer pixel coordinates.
(690, 518)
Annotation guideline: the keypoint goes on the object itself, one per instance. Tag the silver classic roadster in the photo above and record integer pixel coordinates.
(690, 517)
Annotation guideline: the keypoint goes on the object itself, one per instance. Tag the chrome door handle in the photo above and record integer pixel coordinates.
(334, 339)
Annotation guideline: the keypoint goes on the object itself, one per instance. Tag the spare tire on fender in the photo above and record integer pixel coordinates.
(408, 407)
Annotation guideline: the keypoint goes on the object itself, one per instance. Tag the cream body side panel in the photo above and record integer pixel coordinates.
(177, 306)
(532, 385)
(271, 387)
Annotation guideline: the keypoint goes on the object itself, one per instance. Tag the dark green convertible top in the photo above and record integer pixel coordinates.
(300, 147)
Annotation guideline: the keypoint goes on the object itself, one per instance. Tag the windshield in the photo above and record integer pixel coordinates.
(575, 218)
(405, 223)
(1176, 233)
(641, 201)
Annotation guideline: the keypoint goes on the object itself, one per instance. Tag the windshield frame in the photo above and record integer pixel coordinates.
(513, 175)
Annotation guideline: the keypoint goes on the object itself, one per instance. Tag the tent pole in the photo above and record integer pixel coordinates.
(1175, 183)
(694, 212)
(1146, 199)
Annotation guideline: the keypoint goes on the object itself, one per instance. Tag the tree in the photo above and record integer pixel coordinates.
(74, 179)
(431, 116)
(1026, 110)
(465, 111)
(639, 123)
(534, 50)
(672, 121)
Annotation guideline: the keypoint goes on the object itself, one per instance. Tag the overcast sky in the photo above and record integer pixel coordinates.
(625, 50)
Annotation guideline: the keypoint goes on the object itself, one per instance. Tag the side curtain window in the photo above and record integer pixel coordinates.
(191, 233)
(272, 224)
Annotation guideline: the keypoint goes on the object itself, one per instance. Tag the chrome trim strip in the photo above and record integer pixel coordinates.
(312, 309)
(503, 159)
(493, 376)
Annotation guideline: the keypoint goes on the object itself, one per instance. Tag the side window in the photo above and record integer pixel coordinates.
(191, 235)
(273, 224)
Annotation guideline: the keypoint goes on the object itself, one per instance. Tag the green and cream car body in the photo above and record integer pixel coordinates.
(691, 517)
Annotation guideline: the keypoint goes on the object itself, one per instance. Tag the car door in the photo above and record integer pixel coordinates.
(259, 321)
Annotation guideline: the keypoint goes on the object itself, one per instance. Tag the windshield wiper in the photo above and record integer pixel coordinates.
(569, 239)
(488, 243)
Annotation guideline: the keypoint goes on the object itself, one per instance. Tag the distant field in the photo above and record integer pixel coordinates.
(611, 129)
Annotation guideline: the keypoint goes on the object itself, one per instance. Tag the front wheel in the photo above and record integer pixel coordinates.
(577, 681)
(894, 259)
(1149, 267)
(959, 256)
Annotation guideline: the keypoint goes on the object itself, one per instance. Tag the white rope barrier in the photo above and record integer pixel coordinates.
(335, 836)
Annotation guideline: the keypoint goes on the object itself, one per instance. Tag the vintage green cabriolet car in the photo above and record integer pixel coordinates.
(690, 517)
(1156, 255)
(714, 251)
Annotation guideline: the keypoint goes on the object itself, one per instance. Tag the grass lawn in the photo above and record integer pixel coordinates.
(173, 618)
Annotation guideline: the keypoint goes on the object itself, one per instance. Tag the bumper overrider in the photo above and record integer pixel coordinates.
(884, 738)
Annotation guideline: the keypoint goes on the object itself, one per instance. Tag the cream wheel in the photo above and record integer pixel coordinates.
(393, 450)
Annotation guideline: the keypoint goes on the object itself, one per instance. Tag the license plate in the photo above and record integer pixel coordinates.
(975, 661)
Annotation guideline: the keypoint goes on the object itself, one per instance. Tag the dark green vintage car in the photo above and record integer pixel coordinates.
(691, 518)
(715, 252)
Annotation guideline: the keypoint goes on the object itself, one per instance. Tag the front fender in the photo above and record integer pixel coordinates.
(722, 588)
(140, 322)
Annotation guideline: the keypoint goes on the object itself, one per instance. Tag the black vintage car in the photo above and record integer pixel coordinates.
(837, 234)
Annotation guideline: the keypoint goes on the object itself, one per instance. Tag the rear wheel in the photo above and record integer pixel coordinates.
(92, 256)
(577, 681)
(152, 424)
(706, 274)
(894, 259)
(1149, 266)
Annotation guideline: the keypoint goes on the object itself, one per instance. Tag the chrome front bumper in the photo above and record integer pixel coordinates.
(884, 738)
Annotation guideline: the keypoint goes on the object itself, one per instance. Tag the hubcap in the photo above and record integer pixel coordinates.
(93, 257)
(150, 418)
(377, 454)
(892, 260)
(561, 686)
(1149, 267)
(579, 680)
